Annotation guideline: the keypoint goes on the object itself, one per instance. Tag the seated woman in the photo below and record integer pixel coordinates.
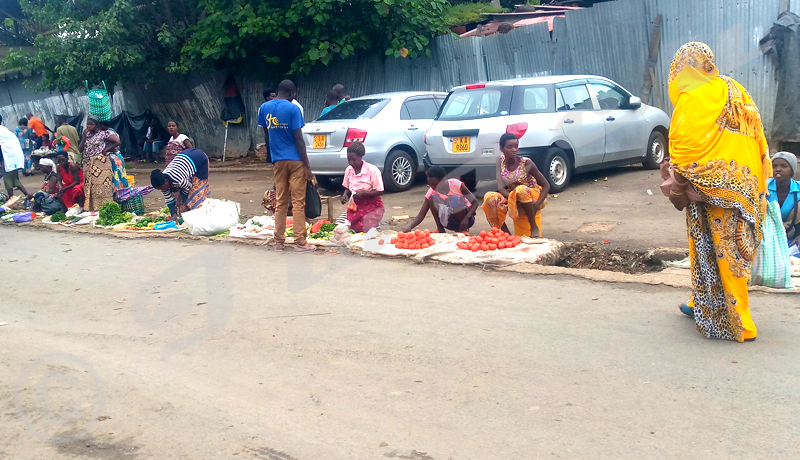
(786, 192)
(47, 198)
(519, 195)
(364, 183)
(187, 174)
(71, 191)
(450, 202)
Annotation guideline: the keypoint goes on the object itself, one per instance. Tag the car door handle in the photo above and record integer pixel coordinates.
(413, 128)
(569, 121)
(610, 119)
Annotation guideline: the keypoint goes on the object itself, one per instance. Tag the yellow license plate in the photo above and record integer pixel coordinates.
(320, 141)
(461, 144)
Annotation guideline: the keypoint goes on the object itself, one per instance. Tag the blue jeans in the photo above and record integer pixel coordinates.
(152, 147)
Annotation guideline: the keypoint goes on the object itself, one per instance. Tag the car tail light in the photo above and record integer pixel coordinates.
(477, 86)
(517, 129)
(354, 135)
(426, 138)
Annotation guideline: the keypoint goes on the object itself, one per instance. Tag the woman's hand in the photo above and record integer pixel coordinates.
(678, 199)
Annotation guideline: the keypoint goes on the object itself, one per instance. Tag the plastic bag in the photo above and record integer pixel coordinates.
(313, 202)
(771, 267)
(340, 233)
(74, 211)
(212, 217)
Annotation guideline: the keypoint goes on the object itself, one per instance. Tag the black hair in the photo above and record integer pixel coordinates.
(157, 178)
(176, 123)
(267, 92)
(287, 87)
(332, 96)
(507, 137)
(437, 172)
(1, 119)
(61, 119)
(94, 120)
(23, 122)
(357, 148)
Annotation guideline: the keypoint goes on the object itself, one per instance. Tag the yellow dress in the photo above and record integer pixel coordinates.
(717, 143)
(524, 189)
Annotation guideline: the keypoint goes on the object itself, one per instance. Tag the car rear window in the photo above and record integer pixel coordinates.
(359, 109)
(532, 99)
(471, 104)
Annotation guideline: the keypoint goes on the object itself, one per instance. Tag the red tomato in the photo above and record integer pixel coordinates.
(425, 246)
(417, 232)
(466, 233)
(401, 235)
(484, 247)
(398, 245)
(484, 233)
(495, 229)
(381, 242)
(492, 247)
(479, 239)
(474, 248)
(494, 241)
(393, 240)
(501, 245)
(427, 232)
(460, 245)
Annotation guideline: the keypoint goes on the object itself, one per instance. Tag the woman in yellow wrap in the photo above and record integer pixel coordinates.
(717, 146)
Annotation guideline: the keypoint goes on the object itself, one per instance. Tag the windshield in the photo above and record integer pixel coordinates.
(360, 109)
(476, 103)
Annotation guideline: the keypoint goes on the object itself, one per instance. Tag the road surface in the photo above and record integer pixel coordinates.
(160, 349)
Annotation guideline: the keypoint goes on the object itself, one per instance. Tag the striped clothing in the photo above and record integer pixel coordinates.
(188, 164)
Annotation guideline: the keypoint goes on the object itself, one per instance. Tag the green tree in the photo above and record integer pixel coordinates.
(128, 40)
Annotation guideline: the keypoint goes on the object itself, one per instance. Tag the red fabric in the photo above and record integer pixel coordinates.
(70, 197)
(368, 214)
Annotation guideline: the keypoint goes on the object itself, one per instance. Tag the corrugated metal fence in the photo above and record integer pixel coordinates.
(611, 39)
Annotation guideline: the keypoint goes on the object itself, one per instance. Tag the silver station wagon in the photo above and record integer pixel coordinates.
(566, 124)
(392, 128)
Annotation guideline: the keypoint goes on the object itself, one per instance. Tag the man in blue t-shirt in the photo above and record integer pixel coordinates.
(284, 123)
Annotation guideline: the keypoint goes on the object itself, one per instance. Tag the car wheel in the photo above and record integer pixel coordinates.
(399, 171)
(656, 151)
(558, 169)
(332, 183)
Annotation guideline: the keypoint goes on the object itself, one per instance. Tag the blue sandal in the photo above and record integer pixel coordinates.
(687, 310)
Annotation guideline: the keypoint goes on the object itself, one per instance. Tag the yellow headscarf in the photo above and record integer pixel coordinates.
(716, 136)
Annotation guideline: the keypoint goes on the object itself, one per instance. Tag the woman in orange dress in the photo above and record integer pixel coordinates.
(717, 146)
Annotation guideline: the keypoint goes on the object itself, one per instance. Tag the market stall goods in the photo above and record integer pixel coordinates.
(490, 241)
(416, 240)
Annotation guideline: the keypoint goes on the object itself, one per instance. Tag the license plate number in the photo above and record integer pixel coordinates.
(461, 144)
(320, 141)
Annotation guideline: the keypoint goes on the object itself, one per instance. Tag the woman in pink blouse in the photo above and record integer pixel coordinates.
(363, 182)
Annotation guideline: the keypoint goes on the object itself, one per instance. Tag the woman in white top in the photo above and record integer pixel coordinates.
(177, 142)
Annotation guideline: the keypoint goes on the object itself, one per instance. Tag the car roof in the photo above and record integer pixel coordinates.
(399, 94)
(546, 80)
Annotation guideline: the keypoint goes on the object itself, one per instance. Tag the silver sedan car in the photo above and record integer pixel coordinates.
(392, 128)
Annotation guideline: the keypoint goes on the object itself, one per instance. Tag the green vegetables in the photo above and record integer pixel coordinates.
(165, 211)
(111, 214)
(147, 221)
(290, 232)
(58, 217)
(324, 233)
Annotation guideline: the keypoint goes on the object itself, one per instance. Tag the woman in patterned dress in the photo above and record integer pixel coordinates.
(519, 194)
(717, 145)
(97, 144)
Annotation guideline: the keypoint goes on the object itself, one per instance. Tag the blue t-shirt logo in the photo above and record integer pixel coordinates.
(281, 118)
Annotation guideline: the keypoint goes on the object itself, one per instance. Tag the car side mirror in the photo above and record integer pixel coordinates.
(634, 102)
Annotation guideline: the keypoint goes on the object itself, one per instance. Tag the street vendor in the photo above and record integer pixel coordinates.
(71, 192)
(186, 174)
(362, 182)
(449, 201)
(46, 200)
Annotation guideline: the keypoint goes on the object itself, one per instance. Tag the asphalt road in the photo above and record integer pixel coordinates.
(164, 349)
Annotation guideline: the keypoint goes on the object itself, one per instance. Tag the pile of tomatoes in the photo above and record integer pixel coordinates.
(418, 239)
(490, 241)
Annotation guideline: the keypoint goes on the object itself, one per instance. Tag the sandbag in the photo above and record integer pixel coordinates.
(771, 267)
(313, 202)
(212, 217)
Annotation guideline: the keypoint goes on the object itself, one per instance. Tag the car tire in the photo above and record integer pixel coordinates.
(557, 169)
(656, 151)
(332, 183)
(399, 171)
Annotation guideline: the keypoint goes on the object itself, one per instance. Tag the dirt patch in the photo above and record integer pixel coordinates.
(597, 227)
(596, 257)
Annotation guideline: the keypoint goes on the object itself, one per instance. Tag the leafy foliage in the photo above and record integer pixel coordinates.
(468, 12)
(127, 40)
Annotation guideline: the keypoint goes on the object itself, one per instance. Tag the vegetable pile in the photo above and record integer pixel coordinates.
(148, 222)
(58, 217)
(490, 241)
(111, 214)
(322, 230)
(418, 239)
